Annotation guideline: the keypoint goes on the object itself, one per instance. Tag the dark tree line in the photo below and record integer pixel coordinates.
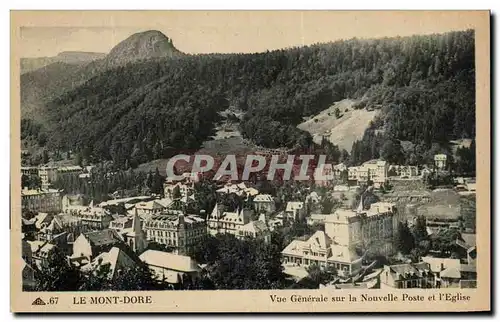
(423, 85)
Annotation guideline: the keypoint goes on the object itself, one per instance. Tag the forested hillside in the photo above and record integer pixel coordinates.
(423, 85)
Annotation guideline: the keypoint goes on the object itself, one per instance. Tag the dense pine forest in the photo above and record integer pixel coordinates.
(423, 85)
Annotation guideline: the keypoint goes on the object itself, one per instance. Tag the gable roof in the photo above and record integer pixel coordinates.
(255, 226)
(115, 257)
(343, 254)
(169, 261)
(451, 272)
(294, 205)
(263, 198)
(149, 205)
(102, 237)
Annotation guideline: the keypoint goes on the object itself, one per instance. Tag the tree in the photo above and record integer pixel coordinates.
(58, 275)
(420, 230)
(328, 204)
(135, 278)
(404, 239)
(232, 263)
(319, 275)
(392, 152)
(176, 192)
(337, 113)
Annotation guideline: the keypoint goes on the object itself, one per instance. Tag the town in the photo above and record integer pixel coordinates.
(366, 226)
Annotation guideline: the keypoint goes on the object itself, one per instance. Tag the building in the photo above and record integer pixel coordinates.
(41, 200)
(450, 272)
(89, 245)
(74, 171)
(324, 175)
(48, 175)
(402, 276)
(134, 236)
(40, 252)
(374, 170)
(320, 250)
(170, 268)
(91, 217)
(364, 228)
(176, 230)
(121, 223)
(313, 198)
(295, 210)
(315, 219)
(183, 189)
(28, 273)
(403, 171)
(226, 222)
(147, 209)
(339, 169)
(117, 259)
(440, 161)
(256, 229)
(264, 203)
(29, 171)
(240, 189)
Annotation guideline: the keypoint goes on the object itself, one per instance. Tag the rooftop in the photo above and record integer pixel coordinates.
(169, 261)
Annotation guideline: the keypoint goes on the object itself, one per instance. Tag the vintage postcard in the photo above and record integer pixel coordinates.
(250, 161)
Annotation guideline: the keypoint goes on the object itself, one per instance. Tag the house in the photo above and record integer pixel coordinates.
(28, 273)
(41, 250)
(170, 268)
(403, 276)
(339, 169)
(28, 227)
(320, 250)
(468, 244)
(183, 190)
(177, 230)
(146, 209)
(264, 202)
(117, 259)
(295, 210)
(315, 219)
(324, 175)
(121, 223)
(313, 198)
(47, 231)
(403, 171)
(256, 229)
(90, 244)
(440, 161)
(48, 175)
(225, 222)
(450, 271)
(240, 189)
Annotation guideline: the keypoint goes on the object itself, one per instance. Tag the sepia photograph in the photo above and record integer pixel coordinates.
(250, 151)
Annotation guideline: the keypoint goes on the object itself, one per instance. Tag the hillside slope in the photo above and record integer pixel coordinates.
(67, 57)
(342, 131)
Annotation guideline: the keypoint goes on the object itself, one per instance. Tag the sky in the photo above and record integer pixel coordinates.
(225, 32)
